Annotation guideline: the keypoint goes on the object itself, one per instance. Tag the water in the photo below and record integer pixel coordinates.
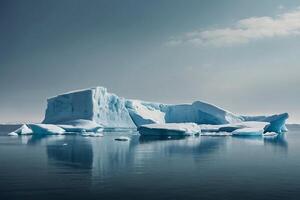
(75, 167)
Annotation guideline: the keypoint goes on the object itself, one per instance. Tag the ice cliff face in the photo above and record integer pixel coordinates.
(111, 111)
(94, 104)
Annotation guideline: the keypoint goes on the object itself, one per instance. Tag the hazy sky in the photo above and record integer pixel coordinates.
(243, 55)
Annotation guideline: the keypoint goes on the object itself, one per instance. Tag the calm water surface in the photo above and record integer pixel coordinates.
(75, 167)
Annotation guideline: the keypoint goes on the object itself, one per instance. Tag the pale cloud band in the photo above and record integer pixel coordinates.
(244, 31)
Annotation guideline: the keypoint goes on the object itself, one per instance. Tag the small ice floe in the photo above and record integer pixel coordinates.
(85, 134)
(46, 129)
(270, 134)
(96, 135)
(122, 138)
(12, 134)
(216, 134)
(169, 129)
(89, 134)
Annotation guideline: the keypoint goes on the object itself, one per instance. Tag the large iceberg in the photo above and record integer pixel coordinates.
(94, 104)
(110, 111)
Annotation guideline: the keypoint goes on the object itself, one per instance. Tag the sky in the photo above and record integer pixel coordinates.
(243, 55)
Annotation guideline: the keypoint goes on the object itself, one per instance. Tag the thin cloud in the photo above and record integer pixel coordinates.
(244, 31)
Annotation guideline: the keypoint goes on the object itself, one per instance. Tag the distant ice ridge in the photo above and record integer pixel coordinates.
(110, 111)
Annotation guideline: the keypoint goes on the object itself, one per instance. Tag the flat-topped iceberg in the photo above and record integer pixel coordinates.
(94, 104)
(169, 129)
(107, 110)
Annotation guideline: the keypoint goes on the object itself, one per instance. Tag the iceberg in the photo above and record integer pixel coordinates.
(23, 130)
(90, 109)
(200, 113)
(145, 112)
(248, 132)
(46, 129)
(169, 129)
(277, 122)
(94, 104)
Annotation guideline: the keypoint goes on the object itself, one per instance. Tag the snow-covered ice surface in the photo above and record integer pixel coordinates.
(46, 129)
(170, 129)
(112, 112)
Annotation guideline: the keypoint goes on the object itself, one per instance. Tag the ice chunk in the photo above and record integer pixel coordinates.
(94, 104)
(81, 125)
(248, 132)
(23, 130)
(46, 129)
(12, 134)
(215, 134)
(91, 134)
(232, 127)
(277, 122)
(145, 112)
(169, 129)
(270, 134)
(200, 113)
(122, 138)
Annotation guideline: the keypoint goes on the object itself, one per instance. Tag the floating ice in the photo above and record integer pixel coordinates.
(200, 113)
(111, 111)
(91, 134)
(277, 122)
(12, 134)
(23, 130)
(248, 132)
(46, 129)
(270, 134)
(122, 138)
(94, 104)
(169, 129)
(145, 112)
